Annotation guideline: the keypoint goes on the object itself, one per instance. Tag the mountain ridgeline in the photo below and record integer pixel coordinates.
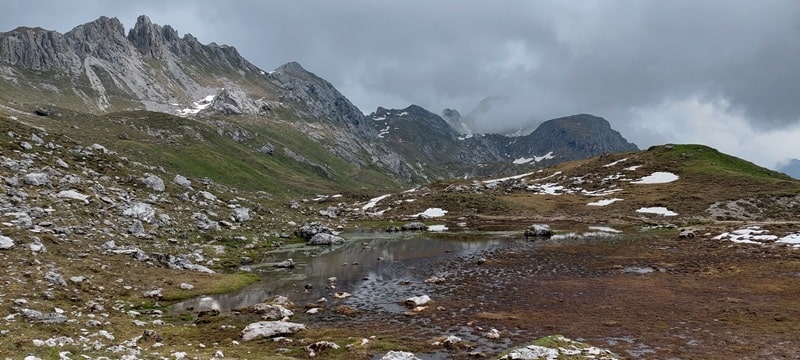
(98, 70)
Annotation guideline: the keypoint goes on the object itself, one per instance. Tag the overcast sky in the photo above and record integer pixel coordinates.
(723, 73)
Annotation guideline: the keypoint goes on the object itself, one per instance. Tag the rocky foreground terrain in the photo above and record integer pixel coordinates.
(96, 247)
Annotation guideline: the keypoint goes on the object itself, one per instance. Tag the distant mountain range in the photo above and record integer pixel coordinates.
(792, 168)
(96, 68)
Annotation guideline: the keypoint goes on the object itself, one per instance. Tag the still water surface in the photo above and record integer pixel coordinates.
(380, 270)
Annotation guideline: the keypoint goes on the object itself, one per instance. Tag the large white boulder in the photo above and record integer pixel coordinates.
(267, 329)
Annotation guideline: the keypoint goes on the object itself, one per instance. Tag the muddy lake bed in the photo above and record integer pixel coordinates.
(641, 294)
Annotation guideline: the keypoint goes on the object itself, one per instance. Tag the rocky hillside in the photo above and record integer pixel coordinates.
(96, 68)
(665, 184)
(569, 138)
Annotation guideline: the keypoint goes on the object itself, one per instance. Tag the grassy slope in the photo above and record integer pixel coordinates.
(705, 175)
(195, 149)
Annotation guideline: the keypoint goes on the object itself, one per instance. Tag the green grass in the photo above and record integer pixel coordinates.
(702, 159)
(193, 148)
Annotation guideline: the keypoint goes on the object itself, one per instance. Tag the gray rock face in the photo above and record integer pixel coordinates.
(100, 52)
(232, 101)
(321, 99)
(325, 239)
(268, 329)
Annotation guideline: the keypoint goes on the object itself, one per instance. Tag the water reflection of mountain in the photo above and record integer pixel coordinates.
(375, 269)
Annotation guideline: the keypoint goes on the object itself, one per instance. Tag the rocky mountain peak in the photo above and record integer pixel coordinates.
(148, 37)
(103, 27)
(293, 68)
(319, 97)
(571, 138)
(791, 168)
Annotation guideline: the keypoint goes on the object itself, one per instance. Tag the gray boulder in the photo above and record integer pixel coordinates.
(38, 317)
(137, 228)
(6, 242)
(55, 278)
(538, 230)
(241, 214)
(268, 329)
(141, 211)
(152, 182)
(270, 312)
(182, 181)
(308, 230)
(414, 226)
(325, 239)
(36, 179)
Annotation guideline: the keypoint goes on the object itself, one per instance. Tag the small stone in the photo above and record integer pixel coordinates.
(36, 179)
(72, 194)
(492, 334)
(286, 264)
(6, 243)
(185, 286)
(241, 214)
(182, 181)
(418, 300)
(55, 278)
(153, 294)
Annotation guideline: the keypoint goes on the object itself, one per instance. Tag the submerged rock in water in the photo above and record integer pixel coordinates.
(268, 329)
(286, 264)
(399, 355)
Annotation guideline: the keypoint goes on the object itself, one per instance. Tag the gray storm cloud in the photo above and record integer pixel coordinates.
(629, 61)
